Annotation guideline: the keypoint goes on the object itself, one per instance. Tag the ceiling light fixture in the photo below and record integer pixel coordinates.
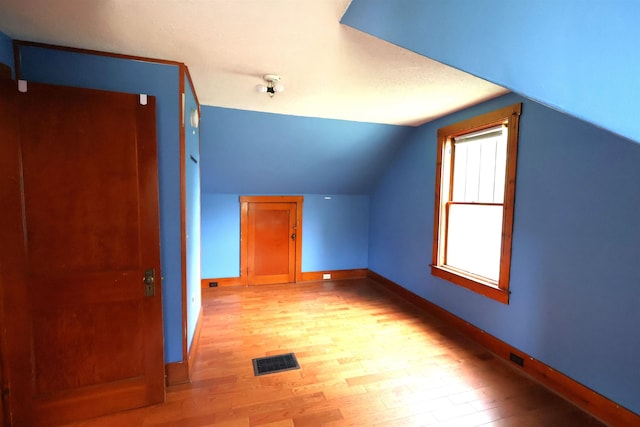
(272, 86)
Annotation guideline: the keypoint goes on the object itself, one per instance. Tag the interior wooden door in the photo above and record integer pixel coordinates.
(272, 237)
(80, 233)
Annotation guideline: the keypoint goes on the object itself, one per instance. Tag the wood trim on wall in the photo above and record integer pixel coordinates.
(306, 276)
(183, 212)
(184, 71)
(244, 243)
(313, 276)
(180, 372)
(588, 400)
(195, 343)
(19, 43)
(226, 281)
(195, 95)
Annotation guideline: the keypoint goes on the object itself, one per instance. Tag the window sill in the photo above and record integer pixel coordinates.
(474, 284)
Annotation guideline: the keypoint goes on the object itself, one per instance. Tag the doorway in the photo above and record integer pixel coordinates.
(270, 239)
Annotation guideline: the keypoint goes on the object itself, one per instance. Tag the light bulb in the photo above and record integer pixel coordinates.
(278, 88)
(261, 88)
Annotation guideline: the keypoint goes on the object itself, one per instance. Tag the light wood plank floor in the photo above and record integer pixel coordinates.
(367, 359)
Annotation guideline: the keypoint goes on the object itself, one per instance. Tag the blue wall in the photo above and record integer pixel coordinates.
(6, 50)
(578, 57)
(334, 233)
(252, 153)
(220, 235)
(162, 81)
(192, 215)
(247, 152)
(576, 246)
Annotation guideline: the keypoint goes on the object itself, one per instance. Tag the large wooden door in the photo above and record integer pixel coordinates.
(78, 230)
(271, 234)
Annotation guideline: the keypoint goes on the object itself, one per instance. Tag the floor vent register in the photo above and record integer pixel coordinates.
(273, 364)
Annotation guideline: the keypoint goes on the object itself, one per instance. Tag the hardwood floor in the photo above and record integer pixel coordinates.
(366, 359)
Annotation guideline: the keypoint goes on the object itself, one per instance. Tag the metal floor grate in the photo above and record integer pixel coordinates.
(273, 364)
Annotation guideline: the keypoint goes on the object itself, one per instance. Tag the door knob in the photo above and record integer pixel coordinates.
(149, 281)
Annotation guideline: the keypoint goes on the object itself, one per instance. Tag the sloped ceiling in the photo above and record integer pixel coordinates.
(245, 152)
(578, 57)
(329, 70)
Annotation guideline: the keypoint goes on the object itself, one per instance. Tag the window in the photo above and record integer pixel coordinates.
(475, 192)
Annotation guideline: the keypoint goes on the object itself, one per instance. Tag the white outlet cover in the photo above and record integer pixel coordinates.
(326, 276)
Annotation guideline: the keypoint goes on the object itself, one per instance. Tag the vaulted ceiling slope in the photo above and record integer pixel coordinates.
(329, 70)
(256, 153)
(581, 58)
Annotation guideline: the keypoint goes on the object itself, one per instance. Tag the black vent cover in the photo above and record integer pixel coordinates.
(273, 364)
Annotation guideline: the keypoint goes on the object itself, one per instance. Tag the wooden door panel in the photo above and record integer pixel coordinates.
(81, 227)
(272, 251)
(272, 227)
(269, 253)
(94, 355)
(70, 175)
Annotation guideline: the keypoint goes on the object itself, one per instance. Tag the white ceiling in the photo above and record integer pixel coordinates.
(329, 70)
